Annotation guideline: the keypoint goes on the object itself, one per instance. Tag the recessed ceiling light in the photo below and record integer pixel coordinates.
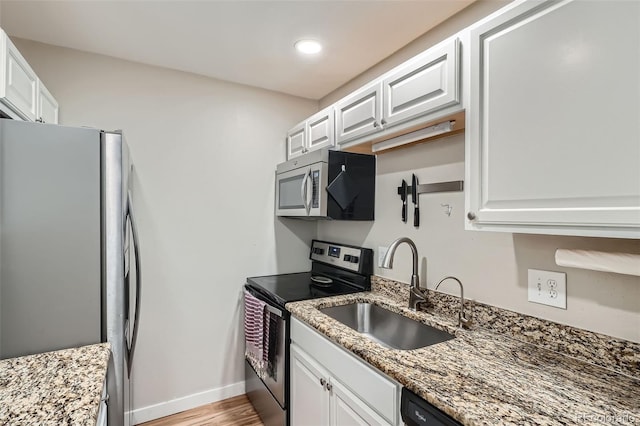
(308, 47)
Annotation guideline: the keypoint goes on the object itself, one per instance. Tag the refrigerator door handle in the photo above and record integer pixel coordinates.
(136, 252)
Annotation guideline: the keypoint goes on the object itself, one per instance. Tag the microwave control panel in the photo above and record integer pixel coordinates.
(315, 189)
(346, 257)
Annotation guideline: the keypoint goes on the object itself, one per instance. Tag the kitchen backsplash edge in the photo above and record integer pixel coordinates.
(621, 356)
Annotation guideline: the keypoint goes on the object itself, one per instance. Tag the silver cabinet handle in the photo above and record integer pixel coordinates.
(375, 124)
(383, 122)
(323, 382)
(329, 387)
(471, 216)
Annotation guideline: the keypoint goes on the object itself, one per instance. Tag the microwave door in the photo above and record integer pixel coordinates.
(292, 193)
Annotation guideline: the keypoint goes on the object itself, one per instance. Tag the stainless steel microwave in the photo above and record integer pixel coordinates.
(327, 184)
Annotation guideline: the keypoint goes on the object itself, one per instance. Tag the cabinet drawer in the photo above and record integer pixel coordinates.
(368, 384)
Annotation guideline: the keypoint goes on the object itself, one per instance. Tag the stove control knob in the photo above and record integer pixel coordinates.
(355, 259)
(318, 250)
(347, 258)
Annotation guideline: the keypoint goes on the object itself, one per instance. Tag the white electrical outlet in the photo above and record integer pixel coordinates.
(381, 252)
(548, 288)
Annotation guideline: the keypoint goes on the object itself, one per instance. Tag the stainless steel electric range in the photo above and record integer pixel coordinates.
(336, 269)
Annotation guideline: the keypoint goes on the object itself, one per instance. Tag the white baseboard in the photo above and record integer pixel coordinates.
(188, 402)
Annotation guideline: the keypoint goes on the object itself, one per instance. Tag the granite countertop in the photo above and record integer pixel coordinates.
(53, 388)
(488, 377)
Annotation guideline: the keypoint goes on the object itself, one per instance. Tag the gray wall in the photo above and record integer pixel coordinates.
(205, 153)
(492, 266)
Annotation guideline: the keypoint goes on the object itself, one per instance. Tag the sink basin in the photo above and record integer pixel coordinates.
(385, 327)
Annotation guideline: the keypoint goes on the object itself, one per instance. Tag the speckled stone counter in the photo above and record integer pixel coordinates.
(53, 388)
(486, 376)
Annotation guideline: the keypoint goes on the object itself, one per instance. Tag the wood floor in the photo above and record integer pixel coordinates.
(236, 411)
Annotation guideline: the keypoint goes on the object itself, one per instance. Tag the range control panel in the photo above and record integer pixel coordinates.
(356, 259)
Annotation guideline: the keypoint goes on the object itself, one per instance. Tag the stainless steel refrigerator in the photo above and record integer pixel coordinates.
(69, 251)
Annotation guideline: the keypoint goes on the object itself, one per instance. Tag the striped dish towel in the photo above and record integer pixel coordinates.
(255, 324)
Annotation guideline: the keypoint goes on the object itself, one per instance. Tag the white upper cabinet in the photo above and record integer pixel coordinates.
(412, 96)
(19, 86)
(426, 83)
(553, 131)
(416, 92)
(22, 94)
(296, 141)
(359, 114)
(314, 133)
(47, 105)
(320, 130)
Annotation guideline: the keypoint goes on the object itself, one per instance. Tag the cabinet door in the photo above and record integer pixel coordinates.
(20, 82)
(47, 105)
(296, 141)
(320, 130)
(359, 114)
(367, 384)
(425, 84)
(348, 409)
(309, 401)
(553, 139)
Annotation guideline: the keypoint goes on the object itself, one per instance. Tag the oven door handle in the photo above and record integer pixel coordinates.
(275, 311)
(269, 307)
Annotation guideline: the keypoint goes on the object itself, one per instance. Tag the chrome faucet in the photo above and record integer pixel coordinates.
(463, 321)
(416, 294)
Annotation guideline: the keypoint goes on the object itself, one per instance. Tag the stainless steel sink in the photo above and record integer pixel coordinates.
(386, 327)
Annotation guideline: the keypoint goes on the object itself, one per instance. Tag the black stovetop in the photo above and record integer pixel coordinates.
(285, 288)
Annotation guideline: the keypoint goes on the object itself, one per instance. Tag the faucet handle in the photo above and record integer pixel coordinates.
(463, 321)
(417, 297)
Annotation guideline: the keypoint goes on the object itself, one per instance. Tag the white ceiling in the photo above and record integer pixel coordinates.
(249, 42)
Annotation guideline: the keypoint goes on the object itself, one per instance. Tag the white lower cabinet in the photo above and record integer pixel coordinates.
(309, 395)
(347, 409)
(333, 387)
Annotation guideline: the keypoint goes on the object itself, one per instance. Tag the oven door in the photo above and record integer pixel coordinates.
(275, 379)
(302, 192)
